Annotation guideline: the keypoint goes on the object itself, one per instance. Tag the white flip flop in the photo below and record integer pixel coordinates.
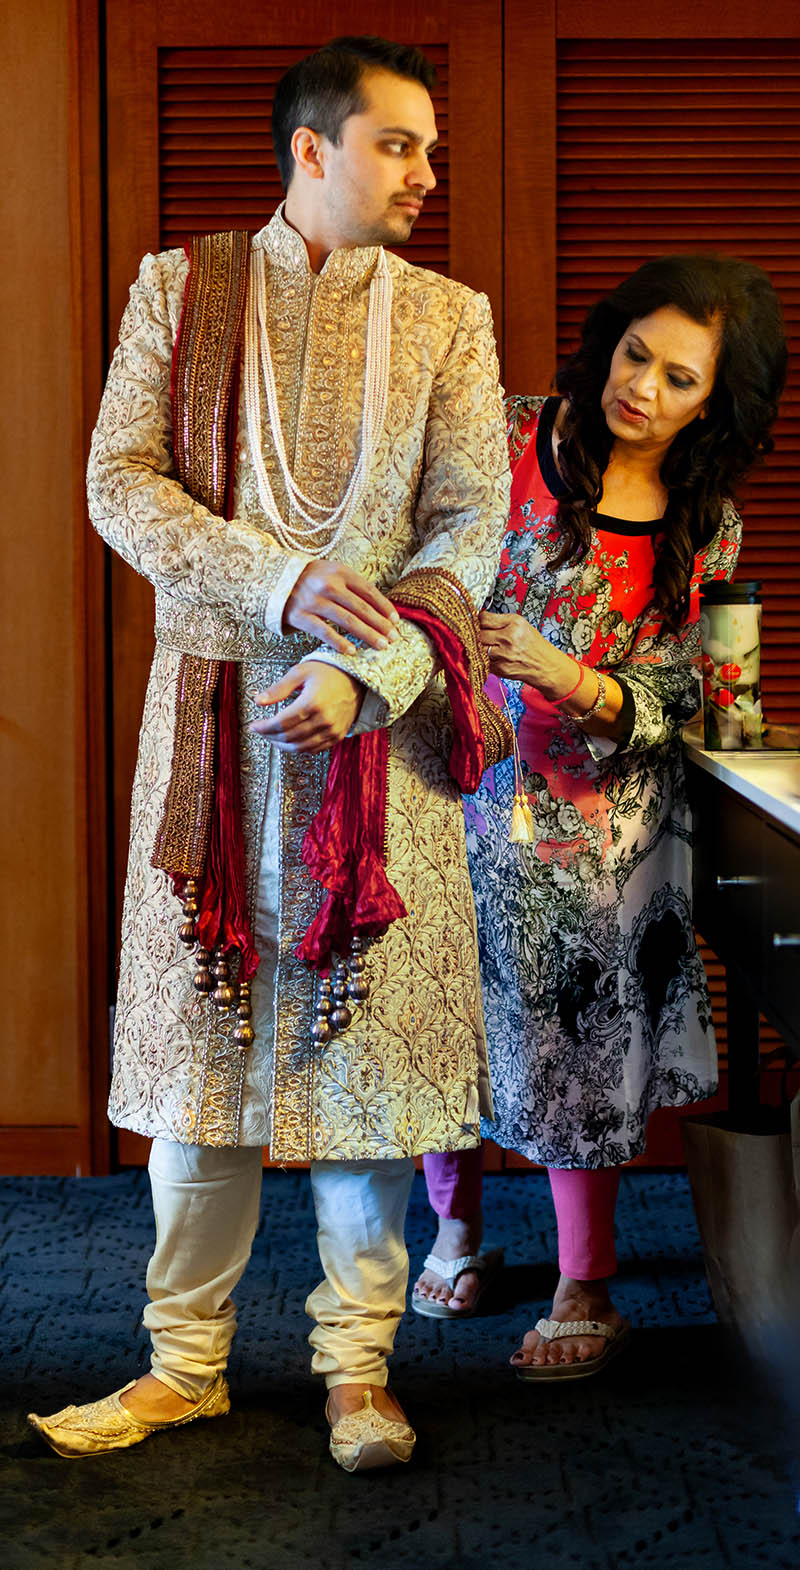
(486, 1266)
(555, 1329)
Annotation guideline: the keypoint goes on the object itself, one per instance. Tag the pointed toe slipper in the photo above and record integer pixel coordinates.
(363, 1440)
(616, 1340)
(486, 1265)
(101, 1426)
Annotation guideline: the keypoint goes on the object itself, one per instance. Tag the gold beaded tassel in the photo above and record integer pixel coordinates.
(358, 986)
(188, 932)
(203, 980)
(348, 984)
(225, 995)
(341, 1015)
(214, 980)
(321, 1031)
(244, 1034)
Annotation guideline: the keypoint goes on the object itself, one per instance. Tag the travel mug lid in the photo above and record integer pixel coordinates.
(747, 591)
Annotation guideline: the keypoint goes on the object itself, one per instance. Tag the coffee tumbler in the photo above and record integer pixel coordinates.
(730, 630)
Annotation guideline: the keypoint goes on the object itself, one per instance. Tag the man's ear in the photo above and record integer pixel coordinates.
(305, 145)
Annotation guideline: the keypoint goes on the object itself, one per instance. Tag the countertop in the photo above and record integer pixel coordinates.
(768, 778)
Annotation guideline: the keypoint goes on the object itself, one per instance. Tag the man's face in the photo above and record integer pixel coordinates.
(376, 180)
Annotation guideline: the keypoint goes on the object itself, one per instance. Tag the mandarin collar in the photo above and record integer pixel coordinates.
(287, 249)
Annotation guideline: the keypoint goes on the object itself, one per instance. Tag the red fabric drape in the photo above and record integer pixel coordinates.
(345, 846)
(223, 916)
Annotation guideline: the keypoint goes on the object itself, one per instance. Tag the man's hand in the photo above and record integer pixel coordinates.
(328, 592)
(327, 703)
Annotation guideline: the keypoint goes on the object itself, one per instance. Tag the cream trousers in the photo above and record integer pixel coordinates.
(206, 1211)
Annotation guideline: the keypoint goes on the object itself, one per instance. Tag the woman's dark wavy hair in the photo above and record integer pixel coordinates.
(709, 456)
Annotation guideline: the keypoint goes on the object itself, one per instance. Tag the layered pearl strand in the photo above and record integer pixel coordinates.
(322, 526)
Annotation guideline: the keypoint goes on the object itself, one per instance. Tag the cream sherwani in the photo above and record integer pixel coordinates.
(409, 1074)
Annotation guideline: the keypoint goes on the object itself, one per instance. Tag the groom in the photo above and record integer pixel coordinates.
(369, 446)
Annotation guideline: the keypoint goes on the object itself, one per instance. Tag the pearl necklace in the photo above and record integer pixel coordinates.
(324, 525)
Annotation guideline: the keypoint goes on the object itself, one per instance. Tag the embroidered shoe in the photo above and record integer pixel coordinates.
(105, 1425)
(365, 1439)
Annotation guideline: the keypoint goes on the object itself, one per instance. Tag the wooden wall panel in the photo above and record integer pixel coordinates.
(45, 1087)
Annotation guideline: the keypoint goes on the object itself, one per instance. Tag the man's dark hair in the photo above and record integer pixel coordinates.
(322, 90)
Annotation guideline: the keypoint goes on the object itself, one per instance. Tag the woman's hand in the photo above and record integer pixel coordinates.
(517, 651)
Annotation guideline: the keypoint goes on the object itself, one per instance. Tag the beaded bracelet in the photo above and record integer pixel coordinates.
(581, 674)
(599, 702)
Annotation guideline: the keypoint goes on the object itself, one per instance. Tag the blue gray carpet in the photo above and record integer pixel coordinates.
(672, 1458)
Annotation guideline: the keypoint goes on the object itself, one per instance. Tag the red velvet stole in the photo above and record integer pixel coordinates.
(344, 848)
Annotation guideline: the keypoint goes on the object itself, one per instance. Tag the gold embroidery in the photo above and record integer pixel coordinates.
(206, 358)
(199, 629)
(440, 592)
(182, 838)
(302, 780)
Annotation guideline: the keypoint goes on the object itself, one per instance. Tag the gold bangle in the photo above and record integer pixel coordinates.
(599, 702)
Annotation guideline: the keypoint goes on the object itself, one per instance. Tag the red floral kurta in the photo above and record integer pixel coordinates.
(597, 1008)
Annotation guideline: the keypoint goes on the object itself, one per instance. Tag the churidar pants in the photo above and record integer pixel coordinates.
(454, 1182)
(206, 1210)
(584, 1203)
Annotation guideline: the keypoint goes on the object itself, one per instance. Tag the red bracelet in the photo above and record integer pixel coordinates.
(565, 695)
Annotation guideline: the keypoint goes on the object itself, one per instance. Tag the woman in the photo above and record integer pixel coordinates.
(596, 1003)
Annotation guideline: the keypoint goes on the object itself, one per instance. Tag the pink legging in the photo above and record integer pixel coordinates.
(584, 1203)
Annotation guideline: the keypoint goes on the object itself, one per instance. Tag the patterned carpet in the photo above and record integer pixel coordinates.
(672, 1458)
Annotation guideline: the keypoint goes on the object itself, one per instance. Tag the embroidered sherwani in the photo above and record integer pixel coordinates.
(409, 1073)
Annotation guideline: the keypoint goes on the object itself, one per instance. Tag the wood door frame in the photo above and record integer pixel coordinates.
(89, 564)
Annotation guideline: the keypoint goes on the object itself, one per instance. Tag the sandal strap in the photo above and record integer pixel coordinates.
(451, 1269)
(554, 1329)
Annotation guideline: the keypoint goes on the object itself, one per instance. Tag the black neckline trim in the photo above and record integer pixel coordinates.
(548, 468)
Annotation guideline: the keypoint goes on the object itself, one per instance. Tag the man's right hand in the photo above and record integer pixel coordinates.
(329, 595)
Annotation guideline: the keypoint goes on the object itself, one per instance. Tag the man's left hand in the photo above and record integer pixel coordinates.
(326, 705)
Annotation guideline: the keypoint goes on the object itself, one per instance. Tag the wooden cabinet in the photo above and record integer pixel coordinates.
(747, 907)
(781, 912)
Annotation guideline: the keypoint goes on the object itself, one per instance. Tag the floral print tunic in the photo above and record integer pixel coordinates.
(597, 1008)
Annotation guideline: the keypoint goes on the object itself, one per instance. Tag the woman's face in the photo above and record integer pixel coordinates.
(660, 377)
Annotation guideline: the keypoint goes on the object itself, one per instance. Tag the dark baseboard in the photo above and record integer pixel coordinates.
(49, 1151)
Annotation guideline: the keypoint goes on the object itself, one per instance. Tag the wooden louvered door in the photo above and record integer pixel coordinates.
(189, 99)
(694, 144)
(632, 131)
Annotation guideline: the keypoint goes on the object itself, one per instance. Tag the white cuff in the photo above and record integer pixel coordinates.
(276, 603)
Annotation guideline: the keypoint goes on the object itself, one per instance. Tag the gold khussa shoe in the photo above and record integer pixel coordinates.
(100, 1426)
(365, 1439)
